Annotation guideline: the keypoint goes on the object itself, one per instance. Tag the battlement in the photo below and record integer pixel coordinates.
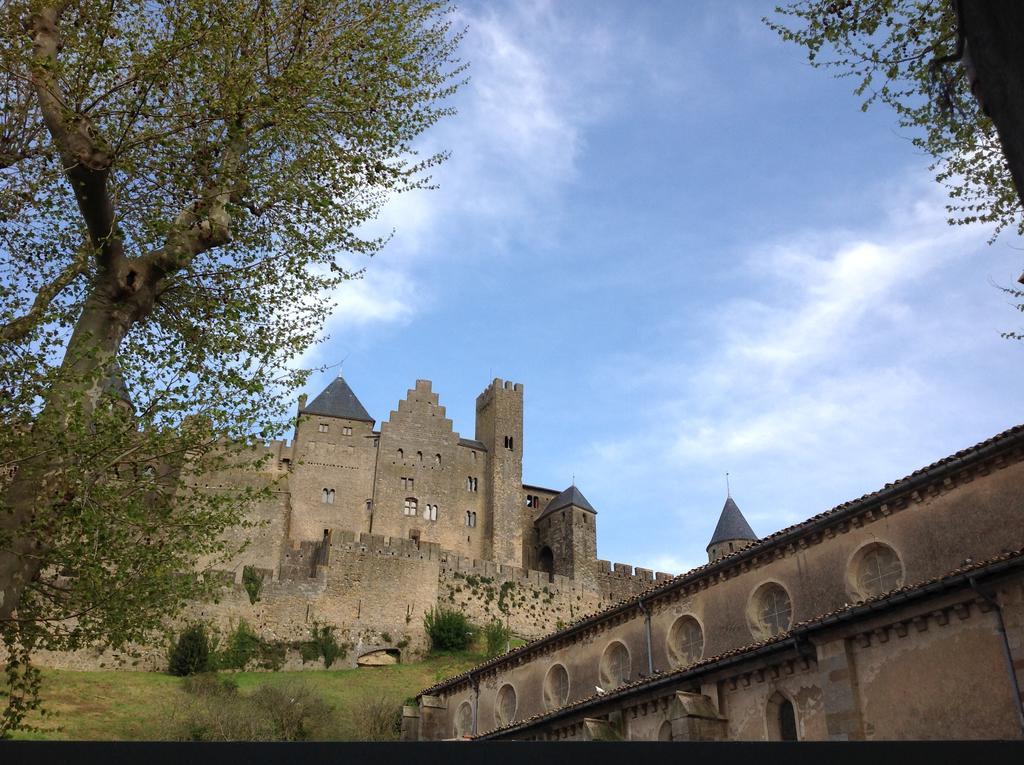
(620, 580)
(498, 385)
(452, 563)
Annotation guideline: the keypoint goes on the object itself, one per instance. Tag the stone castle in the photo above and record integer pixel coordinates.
(366, 530)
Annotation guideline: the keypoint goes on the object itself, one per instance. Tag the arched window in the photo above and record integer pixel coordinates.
(430, 512)
(330, 497)
(614, 666)
(419, 456)
(437, 460)
(401, 454)
(411, 506)
(771, 610)
(781, 719)
(875, 569)
(685, 642)
(325, 496)
(546, 562)
(665, 731)
(464, 720)
(556, 687)
(505, 706)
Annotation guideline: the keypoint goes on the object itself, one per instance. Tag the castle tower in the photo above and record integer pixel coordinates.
(732, 532)
(334, 455)
(499, 426)
(567, 537)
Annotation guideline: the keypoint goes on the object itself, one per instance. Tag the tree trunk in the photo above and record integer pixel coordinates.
(37, 489)
(993, 32)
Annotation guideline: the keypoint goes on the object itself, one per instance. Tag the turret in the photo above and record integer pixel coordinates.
(499, 426)
(567, 537)
(732, 532)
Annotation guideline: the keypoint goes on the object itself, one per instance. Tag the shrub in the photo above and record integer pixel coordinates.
(376, 719)
(497, 636)
(322, 644)
(191, 653)
(252, 581)
(209, 684)
(448, 630)
(293, 711)
(214, 711)
(243, 645)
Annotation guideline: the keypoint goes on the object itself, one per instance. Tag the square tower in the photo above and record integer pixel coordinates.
(499, 426)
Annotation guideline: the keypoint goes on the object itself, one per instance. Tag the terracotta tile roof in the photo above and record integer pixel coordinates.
(1015, 557)
(1003, 440)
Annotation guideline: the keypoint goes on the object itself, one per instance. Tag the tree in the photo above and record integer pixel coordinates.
(179, 181)
(910, 55)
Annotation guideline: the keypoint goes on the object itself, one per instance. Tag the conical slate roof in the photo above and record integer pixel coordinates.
(338, 400)
(732, 525)
(571, 496)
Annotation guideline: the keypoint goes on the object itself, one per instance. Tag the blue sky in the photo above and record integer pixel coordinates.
(698, 255)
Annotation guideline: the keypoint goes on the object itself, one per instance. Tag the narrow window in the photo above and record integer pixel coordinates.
(324, 495)
(419, 456)
(401, 454)
(330, 497)
(437, 460)
(529, 501)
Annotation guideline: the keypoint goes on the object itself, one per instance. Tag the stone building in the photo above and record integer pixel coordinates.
(898, 615)
(367, 529)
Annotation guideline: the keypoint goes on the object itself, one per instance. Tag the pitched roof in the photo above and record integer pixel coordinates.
(571, 496)
(995, 445)
(958, 577)
(731, 525)
(338, 400)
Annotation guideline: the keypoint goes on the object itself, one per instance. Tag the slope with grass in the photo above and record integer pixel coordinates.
(136, 706)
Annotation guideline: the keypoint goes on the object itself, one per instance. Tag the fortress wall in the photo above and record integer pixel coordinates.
(525, 600)
(617, 581)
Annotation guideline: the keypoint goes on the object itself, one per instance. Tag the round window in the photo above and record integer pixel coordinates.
(556, 687)
(685, 642)
(876, 569)
(614, 665)
(772, 611)
(505, 707)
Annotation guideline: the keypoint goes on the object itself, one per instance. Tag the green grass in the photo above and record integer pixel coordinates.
(134, 706)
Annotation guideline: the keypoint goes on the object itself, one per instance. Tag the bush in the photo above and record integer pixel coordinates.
(243, 645)
(213, 710)
(322, 644)
(293, 711)
(448, 630)
(497, 636)
(376, 719)
(191, 654)
(252, 581)
(210, 685)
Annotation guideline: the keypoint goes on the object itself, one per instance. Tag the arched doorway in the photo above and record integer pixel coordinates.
(546, 562)
(781, 719)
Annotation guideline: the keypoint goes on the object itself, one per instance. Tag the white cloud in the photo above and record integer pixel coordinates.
(819, 384)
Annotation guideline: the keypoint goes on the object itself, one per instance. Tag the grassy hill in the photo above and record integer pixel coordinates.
(137, 706)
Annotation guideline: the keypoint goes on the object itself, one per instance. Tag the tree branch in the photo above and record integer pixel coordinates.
(86, 162)
(17, 328)
(206, 223)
